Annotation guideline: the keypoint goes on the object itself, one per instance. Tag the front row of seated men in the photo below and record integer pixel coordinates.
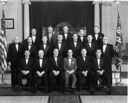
(47, 73)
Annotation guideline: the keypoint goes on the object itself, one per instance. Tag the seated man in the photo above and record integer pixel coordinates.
(84, 71)
(25, 70)
(99, 67)
(70, 67)
(41, 68)
(56, 72)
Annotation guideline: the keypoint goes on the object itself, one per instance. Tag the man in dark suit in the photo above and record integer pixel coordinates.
(56, 74)
(31, 47)
(108, 52)
(82, 36)
(67, 37)
(13, 56)
(102, 77)
(62, 47)
(75, 46)
(70, 67)
(26, 67)
(52, 38)
(97, 37)
(90, 46)
(35, 37)
(41, 68)
(84, 71)
(45, 46)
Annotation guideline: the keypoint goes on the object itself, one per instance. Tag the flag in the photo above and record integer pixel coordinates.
(119, 43)
(3, 44)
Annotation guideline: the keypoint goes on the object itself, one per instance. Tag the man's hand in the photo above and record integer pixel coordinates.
(55, 72)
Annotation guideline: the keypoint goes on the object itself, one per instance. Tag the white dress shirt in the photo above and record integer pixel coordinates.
(55, 60)
(16, 46)
(26, 60)
(29, 47)
(59, 45)
(90, 44)
(70, 61)
(34, 38)
(65, 35)
(98, 61)
(75, 44)
(96, 36)
(104, 48)
(44, 46)
(82, 38)
(40, 62)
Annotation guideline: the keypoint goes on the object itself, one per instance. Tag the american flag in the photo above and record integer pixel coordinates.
(119, 43)
(3, 44)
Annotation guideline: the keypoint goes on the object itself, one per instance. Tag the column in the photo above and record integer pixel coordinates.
(96, 14)
(26, 18)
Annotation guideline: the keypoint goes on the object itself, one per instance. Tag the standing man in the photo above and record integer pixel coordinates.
(13, 56)
(45, 46)
(61, 46)
(51, 35)
(31, 47)
(67, 37)
(35, 38)
(90, 46)
(76, 46)
(97, 37)
(82, 36)
(70, 67)
(56, 74)
(108, 53)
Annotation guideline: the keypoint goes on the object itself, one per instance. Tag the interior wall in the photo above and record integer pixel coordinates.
(13, 9)
(109, 23)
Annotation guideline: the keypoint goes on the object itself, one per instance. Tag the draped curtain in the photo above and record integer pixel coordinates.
(78, 14)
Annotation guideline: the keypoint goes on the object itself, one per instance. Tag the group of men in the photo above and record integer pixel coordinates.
(61, 61)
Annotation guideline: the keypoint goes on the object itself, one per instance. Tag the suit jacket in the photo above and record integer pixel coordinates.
(83, 65)
(76, 50)
(37, 39)
(44, 65)
(29, 66)
(33, 49)
(62, 50)
(13, 55)
(95, 66)
(59, 66)
(98, 42)
(108, 55)
(84, 42)
(47, 50)
(73, 65)
(53, 39)
(69, 38)
(90, 51)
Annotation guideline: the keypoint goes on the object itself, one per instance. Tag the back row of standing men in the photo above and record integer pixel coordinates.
(63, 43)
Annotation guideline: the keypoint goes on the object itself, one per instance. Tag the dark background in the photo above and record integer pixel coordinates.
(78, 14)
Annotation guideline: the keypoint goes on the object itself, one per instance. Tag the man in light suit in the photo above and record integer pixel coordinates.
(70, 67)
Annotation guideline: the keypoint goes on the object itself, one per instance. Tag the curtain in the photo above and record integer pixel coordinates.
(78, 14)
